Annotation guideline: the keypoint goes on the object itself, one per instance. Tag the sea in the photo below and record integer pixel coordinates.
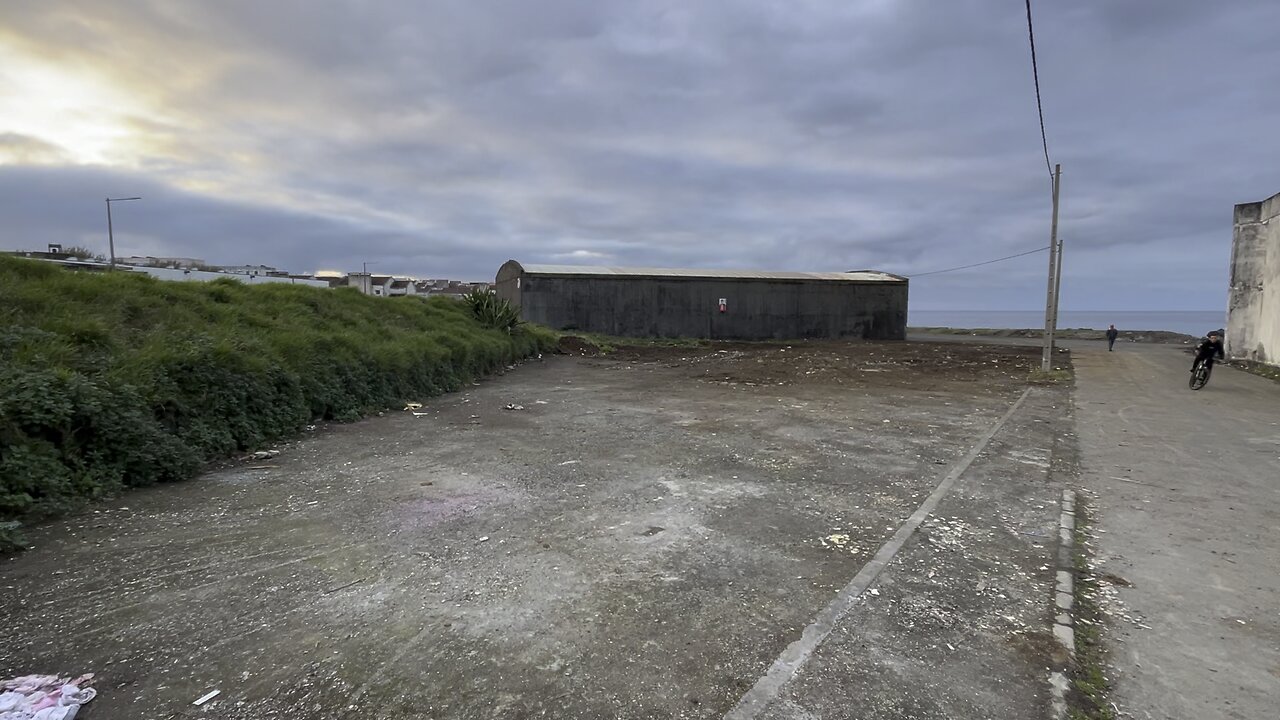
(1194, 322)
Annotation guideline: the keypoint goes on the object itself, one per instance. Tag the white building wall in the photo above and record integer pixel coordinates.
(200, 275)
(1253, 316)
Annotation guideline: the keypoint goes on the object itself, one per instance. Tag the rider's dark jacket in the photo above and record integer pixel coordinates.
(1207, 349)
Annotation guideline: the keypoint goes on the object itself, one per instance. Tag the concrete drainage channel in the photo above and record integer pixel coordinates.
(1064, 601)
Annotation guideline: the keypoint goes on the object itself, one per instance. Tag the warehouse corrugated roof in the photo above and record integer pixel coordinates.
(853, 276)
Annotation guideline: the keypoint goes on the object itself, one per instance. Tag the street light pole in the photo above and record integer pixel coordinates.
(111, 236)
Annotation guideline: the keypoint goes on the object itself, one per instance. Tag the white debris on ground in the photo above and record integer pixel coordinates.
(1104, 592)
(960, 580)
(1107, 598)
(921, 611)
(947, 533)
(44, 697)
(840, 541)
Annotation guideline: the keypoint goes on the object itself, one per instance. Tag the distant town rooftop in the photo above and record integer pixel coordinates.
(852, 275)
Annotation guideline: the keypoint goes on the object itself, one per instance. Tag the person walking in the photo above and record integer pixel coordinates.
(1112, 334)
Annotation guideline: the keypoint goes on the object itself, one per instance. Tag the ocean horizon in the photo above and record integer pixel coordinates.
(1194, 322)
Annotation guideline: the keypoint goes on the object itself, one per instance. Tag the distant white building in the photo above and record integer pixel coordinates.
(170, 273)
(160, 262)
(401, 286)
(201, 275)
(249, 269)
(382, 285)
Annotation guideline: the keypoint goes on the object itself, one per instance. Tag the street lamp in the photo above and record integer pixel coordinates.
(111, 238)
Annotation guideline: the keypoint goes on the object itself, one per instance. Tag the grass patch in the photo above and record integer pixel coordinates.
(1050, 377)
(1271, 372)
(1089, 686)
(112, 381)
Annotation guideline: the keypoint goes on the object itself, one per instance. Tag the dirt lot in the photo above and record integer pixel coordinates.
(637, 535)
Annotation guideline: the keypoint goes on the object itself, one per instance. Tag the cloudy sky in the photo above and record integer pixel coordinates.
(442, 137)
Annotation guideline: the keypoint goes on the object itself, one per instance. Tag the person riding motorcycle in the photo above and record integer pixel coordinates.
(1209, 347)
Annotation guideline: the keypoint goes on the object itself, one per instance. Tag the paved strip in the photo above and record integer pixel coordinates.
(1185, 515)
(784, 668)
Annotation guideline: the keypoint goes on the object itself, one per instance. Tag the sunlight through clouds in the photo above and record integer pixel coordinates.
(77, 111)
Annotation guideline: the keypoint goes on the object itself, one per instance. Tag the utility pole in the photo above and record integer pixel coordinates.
(111, 236)
(1051, 292)
(1057, 294)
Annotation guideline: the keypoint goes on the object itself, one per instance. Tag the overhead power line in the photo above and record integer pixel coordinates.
(974, 265)
(1035, 73)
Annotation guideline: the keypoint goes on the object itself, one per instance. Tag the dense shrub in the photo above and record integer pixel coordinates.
(120, 380)
(493, 311)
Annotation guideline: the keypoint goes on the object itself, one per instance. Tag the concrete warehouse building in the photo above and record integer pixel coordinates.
(1253, 315)
(717, 304)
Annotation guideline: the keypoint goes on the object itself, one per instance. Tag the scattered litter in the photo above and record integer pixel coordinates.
(947, 534)
(344, 587)
(47, 697)
(420, 414)
(513, 406)
(539, 402)
(264, 454)
(484, 539)
(874, 591)
(207, 697)
(413, 406)
(570, 462)
(837, 539)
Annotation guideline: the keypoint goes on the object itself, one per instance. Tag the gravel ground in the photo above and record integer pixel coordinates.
(637, 535)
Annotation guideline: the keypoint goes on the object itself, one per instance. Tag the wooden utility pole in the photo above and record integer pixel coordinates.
(1055, 278)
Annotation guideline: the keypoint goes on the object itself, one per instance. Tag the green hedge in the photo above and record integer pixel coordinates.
(120, 380)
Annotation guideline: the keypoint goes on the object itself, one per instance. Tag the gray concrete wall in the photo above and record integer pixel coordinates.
(689, 307)
(1253, 315)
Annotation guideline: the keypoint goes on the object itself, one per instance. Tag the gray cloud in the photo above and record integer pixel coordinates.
(443, 138)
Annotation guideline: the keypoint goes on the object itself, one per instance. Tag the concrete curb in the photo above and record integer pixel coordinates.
(1064, 630)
